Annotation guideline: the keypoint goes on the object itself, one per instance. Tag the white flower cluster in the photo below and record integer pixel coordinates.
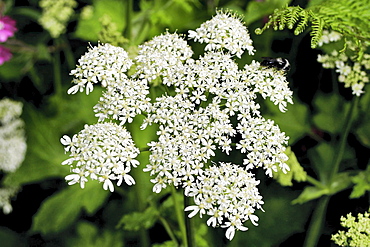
(123, 101)
(105, 64)
(224, 31)
(269, 84)
(12, 135)
(102, 152)
(209, 107)
(228, 194)
(352, 72)
(162, 57)
(5, 196)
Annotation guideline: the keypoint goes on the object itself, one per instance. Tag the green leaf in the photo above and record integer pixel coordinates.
(9, 238)
(278, 211)
(88, 29)
(258, 9)
(296, 172)
(362, 183)
(321, 157)
(91, 236)
(363, 129)
(139, 220)
(61, 209)
(310, 193)
(45, 153)
(332, 110)
(294, 122)
(166, 244)
(340, 182)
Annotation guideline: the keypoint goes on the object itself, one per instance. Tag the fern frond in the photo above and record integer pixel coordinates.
(316, 33)
(350, 18)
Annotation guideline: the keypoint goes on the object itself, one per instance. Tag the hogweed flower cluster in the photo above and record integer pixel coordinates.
(55, 15)
(358, 232)
(209, 108)
(13, 146)
(353, 72)
(12, 135)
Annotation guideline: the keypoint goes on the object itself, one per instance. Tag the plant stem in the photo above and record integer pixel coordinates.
(315, 182)
(180, 217)
(343, 141)
(318, 216)
(57, 72)
(316, 224)
(189, 226)
(128, 30)
(168, 230)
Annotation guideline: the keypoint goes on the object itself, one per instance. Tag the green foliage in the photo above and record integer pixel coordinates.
(322, 157)
(294, 122)
(278, 211)
(361, 183)
(327, 118)
(92, 236)
(257, 9)
(89, 27)
(9, 238)
(140, 220)
(44, 151)
(166, 244)
(362, 130)
(349, 18)
(61, 210)
(296, 172)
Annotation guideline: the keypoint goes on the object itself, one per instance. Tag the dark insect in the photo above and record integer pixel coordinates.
(277, 63)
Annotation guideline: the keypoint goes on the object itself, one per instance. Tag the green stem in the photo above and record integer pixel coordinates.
(343, 141)
(315, 182)
(57, 72)
(180, 217)
(67, 51)
(189, 226)
(316, 224)
(128, 30)
(318, 216)
(168, 230)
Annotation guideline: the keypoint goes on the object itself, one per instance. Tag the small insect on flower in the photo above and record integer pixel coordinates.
(277, 63)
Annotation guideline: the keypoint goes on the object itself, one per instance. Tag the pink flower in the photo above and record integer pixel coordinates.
(7, 28)
(5, 55)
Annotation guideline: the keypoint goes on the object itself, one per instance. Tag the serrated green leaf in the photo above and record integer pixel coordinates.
(88, 29)
(296, 171)
(139, 220)
(60, 210)
(294, 122)
(89, 235)
(331, 112)
(362, 183)
(310, 193)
